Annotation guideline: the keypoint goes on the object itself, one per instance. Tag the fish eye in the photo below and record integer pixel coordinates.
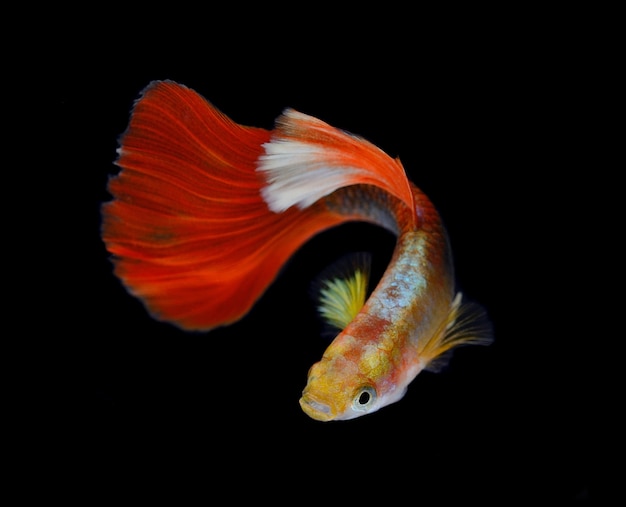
(364, 398)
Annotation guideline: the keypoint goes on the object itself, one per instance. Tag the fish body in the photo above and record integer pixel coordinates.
(400, 328)
(205, 212)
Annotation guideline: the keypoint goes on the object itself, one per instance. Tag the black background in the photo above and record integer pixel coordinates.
(491, 125)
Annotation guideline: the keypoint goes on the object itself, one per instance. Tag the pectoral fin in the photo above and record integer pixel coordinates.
(467, 324)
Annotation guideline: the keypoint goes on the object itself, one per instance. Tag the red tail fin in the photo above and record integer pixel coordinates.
(190, 232)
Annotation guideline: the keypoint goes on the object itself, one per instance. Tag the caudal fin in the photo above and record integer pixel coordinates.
(206, 211)
(190, 233)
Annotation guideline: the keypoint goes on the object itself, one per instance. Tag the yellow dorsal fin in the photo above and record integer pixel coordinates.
(343, 289)
(467, 324)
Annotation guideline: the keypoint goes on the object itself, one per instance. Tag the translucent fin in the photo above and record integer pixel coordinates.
(467, 324)
(308, 159)
(189, 231)
(343, 288)
(439, 363)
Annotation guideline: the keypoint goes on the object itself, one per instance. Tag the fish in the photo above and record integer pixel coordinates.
(205, 212)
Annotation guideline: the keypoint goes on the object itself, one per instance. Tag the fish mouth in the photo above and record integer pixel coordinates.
(315, 409)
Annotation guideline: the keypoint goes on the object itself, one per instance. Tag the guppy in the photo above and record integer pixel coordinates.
(205, 212)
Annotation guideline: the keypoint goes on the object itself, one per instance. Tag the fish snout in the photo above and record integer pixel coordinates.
(315, 409)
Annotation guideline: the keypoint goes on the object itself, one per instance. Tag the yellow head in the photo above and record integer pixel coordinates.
(354, 379)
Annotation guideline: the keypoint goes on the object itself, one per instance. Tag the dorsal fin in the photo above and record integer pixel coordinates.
(308, 159)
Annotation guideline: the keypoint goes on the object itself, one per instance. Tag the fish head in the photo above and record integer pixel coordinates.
(335, 392)
(339, 388)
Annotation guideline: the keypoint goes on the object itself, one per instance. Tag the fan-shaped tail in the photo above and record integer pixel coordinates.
(206, 211)
(189, 231)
